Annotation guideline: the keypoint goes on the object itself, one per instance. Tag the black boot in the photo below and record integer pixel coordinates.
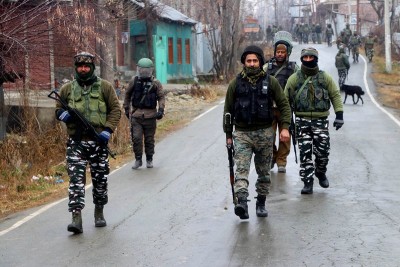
(76, 225)
(260, 207)
(99, 220)
(308, 187)
(241, 208)
(323, 180)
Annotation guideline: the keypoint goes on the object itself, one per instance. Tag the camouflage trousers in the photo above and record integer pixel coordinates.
(143, 129)
(246, 143)
(313, 139)
(342, 76)
(79, 154)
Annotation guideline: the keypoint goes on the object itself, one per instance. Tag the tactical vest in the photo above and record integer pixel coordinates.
(314, 95)
(253, 103)
(369, 41)
(354, 40)
(282, 75)
(347, 32)
(90, 103)
(339, 62)
(144, 95)
(329, 31)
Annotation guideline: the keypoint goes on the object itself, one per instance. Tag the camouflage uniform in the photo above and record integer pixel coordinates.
(329, 33)
(253, 134)
(311, 92)
(82, 147)
(342, 64)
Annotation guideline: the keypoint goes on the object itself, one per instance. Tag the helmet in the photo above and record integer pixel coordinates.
(310, 51)
(370, 34)
(253, 49)
(84, 58)
(145, 63)
(283, 37)
(145, 68)
(341, 49)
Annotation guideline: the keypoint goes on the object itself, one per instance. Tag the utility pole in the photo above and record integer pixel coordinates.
(387, 38)
(358, 26)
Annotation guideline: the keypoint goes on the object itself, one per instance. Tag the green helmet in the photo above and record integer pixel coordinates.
(145, 63)
(283, 37)
(145, 68)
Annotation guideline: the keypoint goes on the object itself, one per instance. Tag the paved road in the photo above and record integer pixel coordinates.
(180, 213)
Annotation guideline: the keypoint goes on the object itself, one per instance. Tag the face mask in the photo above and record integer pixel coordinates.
(251, 71)
(310, 64)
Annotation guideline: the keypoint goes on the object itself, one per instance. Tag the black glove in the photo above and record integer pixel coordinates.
(127, 112)
(160, 114)
(338, 123)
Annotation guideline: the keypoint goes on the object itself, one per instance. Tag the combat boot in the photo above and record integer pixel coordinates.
(241, 208)
(260, 207)
(99, 220)
(323, 180)
(149, 161)
(138, 163)
(76, 225)
(308, 187)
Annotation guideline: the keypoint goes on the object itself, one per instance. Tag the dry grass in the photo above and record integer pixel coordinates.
(387, 83)
(40, 152)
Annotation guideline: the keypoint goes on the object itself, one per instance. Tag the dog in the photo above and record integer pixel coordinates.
(352, 90)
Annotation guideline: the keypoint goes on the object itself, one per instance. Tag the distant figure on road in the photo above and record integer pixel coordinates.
(369, 46)
(342, 64)
(249, 101)
(329, 33)
(143, 95)
(311, 91)
(96, 100)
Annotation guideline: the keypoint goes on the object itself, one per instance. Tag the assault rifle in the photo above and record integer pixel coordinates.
(292, 130)
(231, 154)
(80, 119)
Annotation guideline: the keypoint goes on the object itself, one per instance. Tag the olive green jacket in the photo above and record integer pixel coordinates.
(111, 99)
(333, 92)
(277, 95)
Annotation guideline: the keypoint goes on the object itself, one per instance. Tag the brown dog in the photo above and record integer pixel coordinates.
(352, 90)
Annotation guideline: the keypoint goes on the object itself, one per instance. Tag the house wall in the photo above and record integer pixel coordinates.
(203, 58)
(174, 30)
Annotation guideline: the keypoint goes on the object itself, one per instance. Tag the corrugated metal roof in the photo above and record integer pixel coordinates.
(167, 12)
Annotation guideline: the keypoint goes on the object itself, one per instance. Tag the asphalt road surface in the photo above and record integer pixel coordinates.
(180, 213)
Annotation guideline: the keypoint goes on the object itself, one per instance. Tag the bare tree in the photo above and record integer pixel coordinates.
(378, 6)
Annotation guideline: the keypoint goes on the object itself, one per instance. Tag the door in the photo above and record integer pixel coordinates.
(160, 54)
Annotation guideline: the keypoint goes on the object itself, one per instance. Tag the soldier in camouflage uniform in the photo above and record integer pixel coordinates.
(249, 101)
(97, 101)
(311, 91)
(342, 64)
(281, 68)
(369, 46)
(329, 33)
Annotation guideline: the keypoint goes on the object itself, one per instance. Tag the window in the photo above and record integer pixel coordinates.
(179, 47)
(187, 51)
(170, 51)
